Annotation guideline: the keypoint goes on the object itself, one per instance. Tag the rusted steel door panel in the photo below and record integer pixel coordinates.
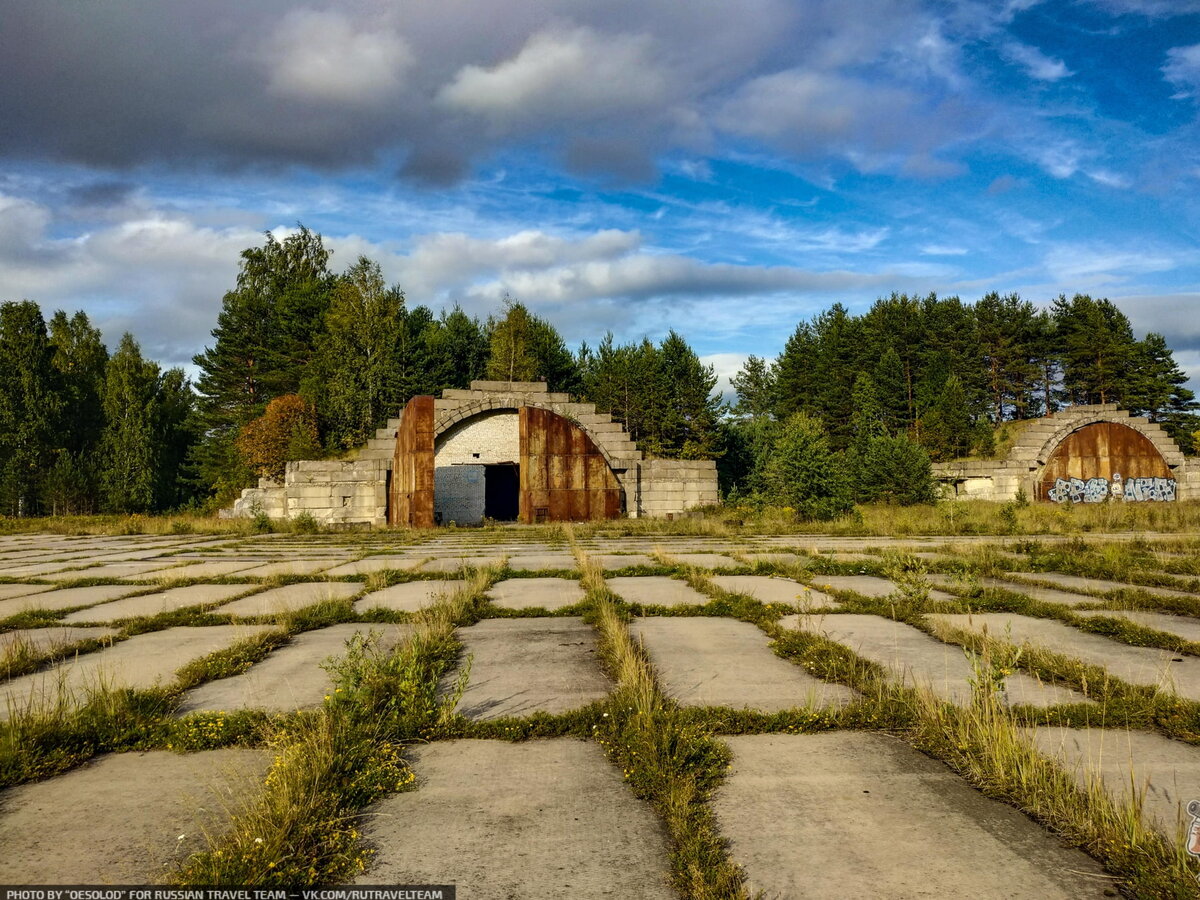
(410, 501)
(1106, 460)
(564, 477)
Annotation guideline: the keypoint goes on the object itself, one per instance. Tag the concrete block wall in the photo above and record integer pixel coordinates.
(656, 488)
(332, 491)
(492, 437)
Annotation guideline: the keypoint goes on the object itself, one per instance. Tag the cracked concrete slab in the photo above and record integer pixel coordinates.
(291, 677)
(289, 598)
(522, 666)
(409, 596)
(857, 814)
(656, 590)
(141, 662)
(543, 818)
(124, 818)
(1185, 627)
(769, 589)
(916, 659)
(54, 638)
(1147, 666)
(1167, 772)
(157, 603)
(536, 593)
(704, 661)
(66, 598)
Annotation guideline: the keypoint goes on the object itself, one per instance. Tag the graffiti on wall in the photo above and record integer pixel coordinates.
(1097, 490)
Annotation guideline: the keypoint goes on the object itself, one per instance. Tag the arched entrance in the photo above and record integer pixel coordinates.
(1106, 460)
(525, 463)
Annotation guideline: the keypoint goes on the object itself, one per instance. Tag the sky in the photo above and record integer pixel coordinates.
(723, 169)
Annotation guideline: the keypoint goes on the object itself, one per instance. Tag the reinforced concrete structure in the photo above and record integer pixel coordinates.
(1082, 454)
(501, 450)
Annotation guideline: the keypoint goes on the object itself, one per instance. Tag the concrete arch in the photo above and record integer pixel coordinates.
(1166, 447)
(447, 419)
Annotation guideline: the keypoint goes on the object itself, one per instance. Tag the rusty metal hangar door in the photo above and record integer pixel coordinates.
(563, 475)
(1106, 460)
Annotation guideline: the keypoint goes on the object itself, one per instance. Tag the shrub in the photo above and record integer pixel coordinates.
(894, 470)
(805, 473)
(285, 432)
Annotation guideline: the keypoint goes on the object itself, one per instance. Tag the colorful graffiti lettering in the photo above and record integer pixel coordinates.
(1097, 490)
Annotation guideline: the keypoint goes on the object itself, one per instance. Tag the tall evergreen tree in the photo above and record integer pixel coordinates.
(689, 424)
(947, 427)
(265, 344)
(756, 384)
(1097, 349)
(30, 406)
(891, 387)
(80, 358)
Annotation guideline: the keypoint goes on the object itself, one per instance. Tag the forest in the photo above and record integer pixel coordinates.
(306, 362)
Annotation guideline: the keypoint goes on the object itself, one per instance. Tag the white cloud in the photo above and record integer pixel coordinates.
(1090, 266)
(563, 75)
(1036, 64)
(725, 366)
(1182, 69)
(940, 250)
(322, 56)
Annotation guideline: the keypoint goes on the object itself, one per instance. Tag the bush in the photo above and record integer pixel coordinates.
(805, 473)
(894, 470)
(286, 431)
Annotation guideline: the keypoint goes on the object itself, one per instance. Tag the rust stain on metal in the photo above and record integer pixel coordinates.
(1102, 450)
(564, 476)
(410, 500)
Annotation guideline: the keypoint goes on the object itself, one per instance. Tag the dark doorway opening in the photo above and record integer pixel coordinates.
(501, 492)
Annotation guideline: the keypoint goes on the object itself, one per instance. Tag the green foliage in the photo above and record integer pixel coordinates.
(525, 347)
(129, 464)
(363, 329)
(893, 470)
(265, 341)
(662, 395)
(805, 473)
(30, 406)
(757, 387)
(947, 428)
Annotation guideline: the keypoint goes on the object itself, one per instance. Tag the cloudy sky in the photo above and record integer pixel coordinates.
(725, 169)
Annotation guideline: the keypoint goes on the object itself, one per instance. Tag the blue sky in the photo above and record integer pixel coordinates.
(722, 169)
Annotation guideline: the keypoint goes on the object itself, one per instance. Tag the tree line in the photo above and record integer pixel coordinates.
(307, 362)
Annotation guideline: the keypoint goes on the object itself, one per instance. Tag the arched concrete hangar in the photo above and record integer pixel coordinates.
(1083, 454)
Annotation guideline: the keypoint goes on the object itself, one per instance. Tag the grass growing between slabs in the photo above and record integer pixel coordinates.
(331, 763)
(667, 757)
(986, 744)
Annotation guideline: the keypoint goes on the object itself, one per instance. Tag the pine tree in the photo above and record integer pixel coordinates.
(947, 427)
(689, 423)
(265, 344)
(756, 384)
(1097, 349)
(30, 407)
(176, 431)
(892, 390)
(794, 379)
